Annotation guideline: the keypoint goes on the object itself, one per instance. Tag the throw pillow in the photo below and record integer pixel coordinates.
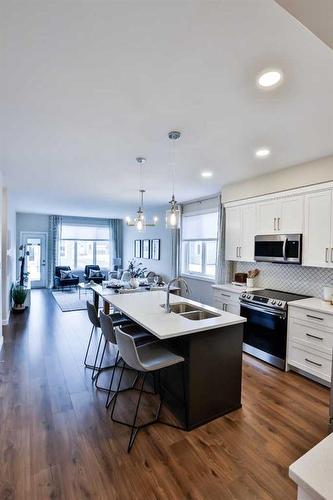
(95, 273)
(65, 274)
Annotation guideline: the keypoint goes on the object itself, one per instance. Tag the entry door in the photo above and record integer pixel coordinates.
(36, 260)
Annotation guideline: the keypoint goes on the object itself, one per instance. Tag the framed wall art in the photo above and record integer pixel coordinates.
(155, 249)
(137, 249)
(145, 253)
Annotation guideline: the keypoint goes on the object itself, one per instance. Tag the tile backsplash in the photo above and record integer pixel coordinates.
(288, 277)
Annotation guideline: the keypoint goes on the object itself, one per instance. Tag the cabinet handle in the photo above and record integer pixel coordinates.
(225, 295)
(314, 336)
(313, 362)
(240, 252)
(236, 251)
(326, 254)
(315, 317)
(332, 255)
(278, 223)
(274, 223)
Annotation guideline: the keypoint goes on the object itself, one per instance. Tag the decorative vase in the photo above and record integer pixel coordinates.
(134, 282)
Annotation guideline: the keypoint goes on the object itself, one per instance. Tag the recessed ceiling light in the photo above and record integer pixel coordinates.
(269, 78)
(262, 152)
(206, 174)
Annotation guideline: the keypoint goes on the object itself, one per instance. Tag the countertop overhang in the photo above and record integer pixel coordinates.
(145, 309)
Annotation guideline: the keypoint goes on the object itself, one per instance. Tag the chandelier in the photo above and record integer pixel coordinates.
(139, 221)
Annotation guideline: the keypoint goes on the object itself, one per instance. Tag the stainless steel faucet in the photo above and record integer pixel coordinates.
(180, 280)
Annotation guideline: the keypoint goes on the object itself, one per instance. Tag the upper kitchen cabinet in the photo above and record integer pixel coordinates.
(240, 230)
(283, 215)
(318, 230)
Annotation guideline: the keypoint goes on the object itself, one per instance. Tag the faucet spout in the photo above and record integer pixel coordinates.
(178, 279)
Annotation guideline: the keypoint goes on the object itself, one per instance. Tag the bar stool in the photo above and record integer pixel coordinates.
(148, 358)
(117, 319)
(140, 337)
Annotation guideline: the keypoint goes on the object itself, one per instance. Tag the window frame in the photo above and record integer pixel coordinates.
(184, 258)
(75, 267)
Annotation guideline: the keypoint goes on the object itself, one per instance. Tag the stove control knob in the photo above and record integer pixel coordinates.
(244, 295)
(273, 302)
(248, 296)
(280, 303)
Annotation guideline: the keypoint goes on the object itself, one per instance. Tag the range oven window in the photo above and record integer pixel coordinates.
(265, 330)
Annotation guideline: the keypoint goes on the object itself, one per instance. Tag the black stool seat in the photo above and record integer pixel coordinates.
(138, 333)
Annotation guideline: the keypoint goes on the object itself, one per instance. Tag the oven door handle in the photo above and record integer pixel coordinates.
(284, 248)
(281, 315)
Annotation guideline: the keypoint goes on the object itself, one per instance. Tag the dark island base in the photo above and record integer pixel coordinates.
(212, 375)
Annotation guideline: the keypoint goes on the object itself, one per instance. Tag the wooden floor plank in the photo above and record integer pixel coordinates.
(57, 440)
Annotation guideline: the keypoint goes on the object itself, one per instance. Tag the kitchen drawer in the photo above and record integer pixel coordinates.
(311, 317)
(310, 360)
(226, 297)
(315, 335)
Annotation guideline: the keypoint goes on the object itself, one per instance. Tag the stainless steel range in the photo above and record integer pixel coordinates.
(265, 332)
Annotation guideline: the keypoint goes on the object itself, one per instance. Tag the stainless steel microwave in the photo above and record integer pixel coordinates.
(282, 248)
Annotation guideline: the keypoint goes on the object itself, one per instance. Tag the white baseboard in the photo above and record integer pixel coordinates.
(5, 321)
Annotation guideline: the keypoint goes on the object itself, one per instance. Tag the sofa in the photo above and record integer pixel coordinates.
(96, 279)
(64, 282)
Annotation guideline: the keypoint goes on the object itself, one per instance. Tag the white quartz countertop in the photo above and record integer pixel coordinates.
(145, 309)
(229, 287)
(313, 472)
(318, 305)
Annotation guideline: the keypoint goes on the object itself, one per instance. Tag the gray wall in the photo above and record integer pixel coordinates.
(162, 266)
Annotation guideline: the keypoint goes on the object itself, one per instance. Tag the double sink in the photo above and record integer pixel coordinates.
(193, 313)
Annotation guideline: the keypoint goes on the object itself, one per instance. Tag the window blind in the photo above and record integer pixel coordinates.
(200, 226)
(85, 229)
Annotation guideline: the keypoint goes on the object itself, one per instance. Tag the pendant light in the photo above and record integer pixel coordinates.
(172, 216)
(139, 221)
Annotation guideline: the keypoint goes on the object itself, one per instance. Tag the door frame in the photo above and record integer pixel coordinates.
(38, 233)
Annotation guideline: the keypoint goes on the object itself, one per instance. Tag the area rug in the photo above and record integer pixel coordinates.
(68, 300)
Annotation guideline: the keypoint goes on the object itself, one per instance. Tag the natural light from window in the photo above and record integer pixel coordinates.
(82, 245)
(199, 241)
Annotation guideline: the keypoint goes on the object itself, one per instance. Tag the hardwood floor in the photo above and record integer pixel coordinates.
(57, 440)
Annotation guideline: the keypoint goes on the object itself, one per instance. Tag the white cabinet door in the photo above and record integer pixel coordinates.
(248, 228)
(267, 215)
(291, 215)
(317, 229)
(232, 233)
(233, 308)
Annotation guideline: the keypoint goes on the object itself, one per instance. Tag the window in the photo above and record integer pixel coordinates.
(82, 244)
(199, 242)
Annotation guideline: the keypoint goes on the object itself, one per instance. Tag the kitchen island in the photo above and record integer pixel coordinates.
(209, 339)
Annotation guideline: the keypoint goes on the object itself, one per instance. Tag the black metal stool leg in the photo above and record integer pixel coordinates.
(108, 401)
(96, 358)
(134, 428)
(100, 365)
(87, 351)
(117, 392)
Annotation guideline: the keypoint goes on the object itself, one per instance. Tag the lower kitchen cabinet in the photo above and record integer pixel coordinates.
(226, 300)
(310, 342)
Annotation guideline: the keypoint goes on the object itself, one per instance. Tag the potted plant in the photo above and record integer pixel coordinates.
(18, 294)
(136, 271)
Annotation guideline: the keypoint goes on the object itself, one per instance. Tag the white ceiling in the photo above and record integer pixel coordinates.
(90, 85)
